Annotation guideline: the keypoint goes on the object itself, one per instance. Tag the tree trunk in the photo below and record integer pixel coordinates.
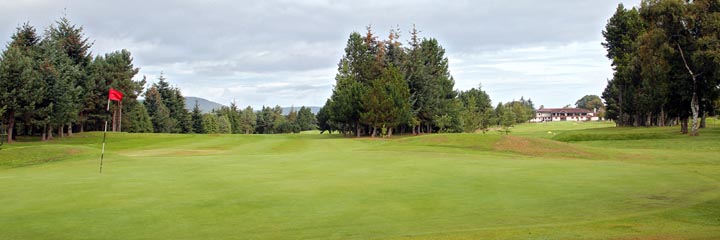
(60, 131)
(357, 129)
(621, 117)
(684, 126)
(695, 106)
(49, 133)
(636, 120)
(703, 120)
(11, 126)
(389, 131)
(661, 118)
(429, 128)
(114, 120)
(69, 131)
(120, 116)
(82, 127)
(374, 131)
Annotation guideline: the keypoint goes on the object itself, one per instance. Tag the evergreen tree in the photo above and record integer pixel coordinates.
(139, 119)
(210, 123)
(224, 125)
(233, 115)
(476, 110)
(20, 84)
(159, 113)
(197, 119)
(323, 118)
(248, 120)
(306, 119)
(507, 120)
(72, 44)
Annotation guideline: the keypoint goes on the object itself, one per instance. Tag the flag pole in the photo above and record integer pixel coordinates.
(102, 153)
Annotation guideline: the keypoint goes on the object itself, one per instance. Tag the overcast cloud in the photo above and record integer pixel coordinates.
(285, 52)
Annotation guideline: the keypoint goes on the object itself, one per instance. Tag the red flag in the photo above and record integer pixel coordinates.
(115, 95)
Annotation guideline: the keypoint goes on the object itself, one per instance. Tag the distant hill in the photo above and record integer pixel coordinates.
(286, 110)
(205, 105)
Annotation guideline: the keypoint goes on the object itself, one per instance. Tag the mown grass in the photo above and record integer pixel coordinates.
(527, 185)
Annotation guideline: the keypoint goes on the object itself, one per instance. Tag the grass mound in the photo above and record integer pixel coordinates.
(541, 148)
(34, 155)
(616, 134)
(482, 142)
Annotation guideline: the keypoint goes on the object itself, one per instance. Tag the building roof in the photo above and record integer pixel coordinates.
(563, 110)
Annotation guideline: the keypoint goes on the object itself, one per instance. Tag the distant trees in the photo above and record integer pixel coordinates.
(592, 103)
(477, 110)
(269, 120)
(666, 61)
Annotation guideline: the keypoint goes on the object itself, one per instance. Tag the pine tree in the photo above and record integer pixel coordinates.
(159, 113)
(224, 126)
(197, 119)
(139, 119)
(210, 123)
(248, 120)
(20, 84)
(306, 119)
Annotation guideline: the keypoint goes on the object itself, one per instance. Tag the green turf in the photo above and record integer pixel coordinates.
(544, 181)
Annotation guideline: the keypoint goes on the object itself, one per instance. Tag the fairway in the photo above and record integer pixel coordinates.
(543, 181)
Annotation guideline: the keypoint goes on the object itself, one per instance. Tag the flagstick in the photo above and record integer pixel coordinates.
(102, 153)
(120, 118)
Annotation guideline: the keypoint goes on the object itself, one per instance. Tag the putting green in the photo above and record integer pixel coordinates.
(311, 186)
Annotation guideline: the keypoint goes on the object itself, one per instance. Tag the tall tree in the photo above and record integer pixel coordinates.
(159, 113)
(197, 119)
(20, 83)
(139, 119)
(476, 109)
(211, 123)
(306, 119)
(620, 33)
(247, 120)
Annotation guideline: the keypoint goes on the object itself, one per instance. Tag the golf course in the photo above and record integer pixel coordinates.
(586, 180)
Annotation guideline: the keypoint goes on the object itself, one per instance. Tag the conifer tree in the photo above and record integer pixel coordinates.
(20, 84)
(197, 119)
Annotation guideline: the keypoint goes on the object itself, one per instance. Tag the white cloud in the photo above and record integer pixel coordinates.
(286, 52)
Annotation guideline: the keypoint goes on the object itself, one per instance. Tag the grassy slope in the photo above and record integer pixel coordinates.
(462, 186)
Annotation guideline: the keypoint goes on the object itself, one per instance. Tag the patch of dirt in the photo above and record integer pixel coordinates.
(73, 151)
(171, 152)
(648, 238)
(435, 139)
(540, 147)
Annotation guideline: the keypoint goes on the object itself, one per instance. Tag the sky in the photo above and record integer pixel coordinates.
(285, 52)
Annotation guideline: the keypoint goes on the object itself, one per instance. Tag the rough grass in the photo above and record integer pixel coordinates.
(442, 186)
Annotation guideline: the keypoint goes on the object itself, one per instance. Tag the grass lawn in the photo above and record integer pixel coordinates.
(543, 181)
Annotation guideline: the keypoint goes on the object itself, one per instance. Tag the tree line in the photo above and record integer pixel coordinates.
(52, 85)
(383, 87)
(166, 113)
(268, 120)
(666, 64)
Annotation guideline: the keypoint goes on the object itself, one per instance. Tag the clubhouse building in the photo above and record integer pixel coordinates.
(564, 114)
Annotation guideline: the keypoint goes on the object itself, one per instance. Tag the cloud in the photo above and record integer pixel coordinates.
(286, 52)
